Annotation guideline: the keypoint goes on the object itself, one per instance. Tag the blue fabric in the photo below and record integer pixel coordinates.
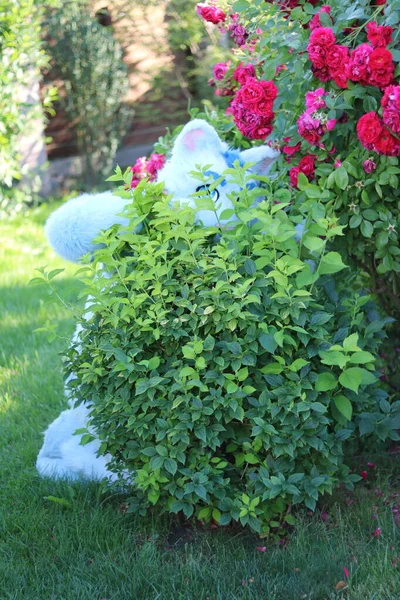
(231, 156)
(216, 176)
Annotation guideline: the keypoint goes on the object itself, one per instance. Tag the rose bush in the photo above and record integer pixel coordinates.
(345, 54)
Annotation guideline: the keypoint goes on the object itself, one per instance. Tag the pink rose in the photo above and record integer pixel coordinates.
(391, 118)
(315, 100)
(220, 70)
(212, 14)
(310, 129)
(140, 166)
(155, 163)
(357, 67)
(369, 165)
(391, 97)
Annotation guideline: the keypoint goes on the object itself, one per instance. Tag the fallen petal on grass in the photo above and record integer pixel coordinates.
(341, 585)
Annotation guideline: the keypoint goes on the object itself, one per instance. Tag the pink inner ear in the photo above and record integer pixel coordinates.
(191, 138)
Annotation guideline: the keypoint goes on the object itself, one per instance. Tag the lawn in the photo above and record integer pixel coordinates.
(92, 550)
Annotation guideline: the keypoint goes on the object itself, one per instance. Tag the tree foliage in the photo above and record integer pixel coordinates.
(21, 58)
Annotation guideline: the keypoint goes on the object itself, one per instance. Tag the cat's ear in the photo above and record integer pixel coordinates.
(197, 136)
(262, 156)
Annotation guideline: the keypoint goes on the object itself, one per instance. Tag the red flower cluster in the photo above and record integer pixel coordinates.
(242, 72)
(327, 57)
(305, 166)
(252, 108)
(379, 36)
(391, 108)
(313, 123)
(371, 66)
(147, 168)
(374, 135)
(212, 14)
(366, 64)
(230, 83)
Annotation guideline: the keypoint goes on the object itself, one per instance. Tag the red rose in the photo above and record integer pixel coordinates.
(336, 56)
(258, 96)
(317, 55)
(307, 166)
(242, 72)
(337, 61)
(381, 67)
(294, 176)
(251, 93)
(387, 144)
(381, 77)
(323, 36)
(340, 77)
(270, 90)
(253, 125)
(310, 129)
(380, 58)
(261, 131)
(212, 14)
(322, 74)
(369, 129)
(380, 36)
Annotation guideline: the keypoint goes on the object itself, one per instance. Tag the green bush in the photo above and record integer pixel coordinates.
(96, 81)
(225, 372)
(21, 58)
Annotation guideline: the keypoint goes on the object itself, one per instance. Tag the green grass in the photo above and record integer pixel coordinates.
(93, 550)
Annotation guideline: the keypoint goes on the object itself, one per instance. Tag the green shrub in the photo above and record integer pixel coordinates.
(225, 372)
(96, 81)
(21, 58)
